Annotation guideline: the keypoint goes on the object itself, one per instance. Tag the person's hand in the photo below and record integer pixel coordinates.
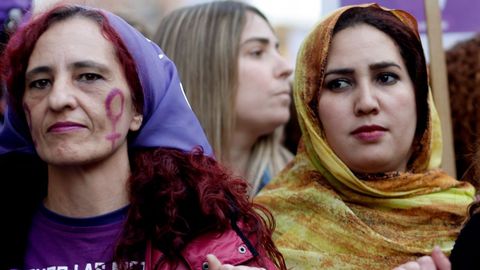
(438, 261)
(215, 264)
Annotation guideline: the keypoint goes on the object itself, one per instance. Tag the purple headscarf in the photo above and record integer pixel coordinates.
(168, 120)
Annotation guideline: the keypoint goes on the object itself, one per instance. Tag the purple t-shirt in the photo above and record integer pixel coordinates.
(57, 242)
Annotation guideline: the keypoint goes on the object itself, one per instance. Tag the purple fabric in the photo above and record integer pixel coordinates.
(58, 242)
(457, 16)
(7, 5)
(168, 120)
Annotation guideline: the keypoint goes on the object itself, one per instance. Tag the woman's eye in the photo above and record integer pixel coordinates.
(387, 78)
(90, 77)
(338, 84)
(39, 84)
(256, 53)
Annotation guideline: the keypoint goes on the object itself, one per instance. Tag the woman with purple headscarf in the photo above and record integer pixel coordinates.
(126, 177)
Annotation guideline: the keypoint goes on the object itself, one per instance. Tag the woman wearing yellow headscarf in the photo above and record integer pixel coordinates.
(365, 190)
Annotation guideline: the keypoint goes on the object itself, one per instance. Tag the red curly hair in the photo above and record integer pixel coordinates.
(170, 191)
(175, 196)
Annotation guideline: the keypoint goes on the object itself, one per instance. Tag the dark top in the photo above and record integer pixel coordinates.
(54, 240)
(23, 186)
(466, 252)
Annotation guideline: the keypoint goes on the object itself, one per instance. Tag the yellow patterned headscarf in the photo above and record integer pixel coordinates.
(328, 218)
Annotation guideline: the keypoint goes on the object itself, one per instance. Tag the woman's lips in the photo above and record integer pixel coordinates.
(60, 127)
(370, 133)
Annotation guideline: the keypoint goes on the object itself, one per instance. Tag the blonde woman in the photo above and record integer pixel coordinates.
(236, 82)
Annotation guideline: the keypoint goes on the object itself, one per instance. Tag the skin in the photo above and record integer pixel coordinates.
(263, 96)
(114, 105)
(79, 108)
(438, 261)
(367, 102)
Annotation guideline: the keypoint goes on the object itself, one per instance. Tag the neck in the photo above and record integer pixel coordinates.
(89, 190)
(240, 151)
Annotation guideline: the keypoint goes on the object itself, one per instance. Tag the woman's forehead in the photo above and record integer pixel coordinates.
(75, 40)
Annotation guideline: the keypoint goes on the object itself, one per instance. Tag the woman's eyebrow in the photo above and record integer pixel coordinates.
(341, 71)
(262, 40)
(374, 66)
(383, 65)
(89, 64)
(34, 71)
(79, 64)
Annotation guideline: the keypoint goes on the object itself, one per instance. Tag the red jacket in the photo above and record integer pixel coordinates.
(228, 247)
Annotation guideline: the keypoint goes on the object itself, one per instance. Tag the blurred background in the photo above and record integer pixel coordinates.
(293, 19)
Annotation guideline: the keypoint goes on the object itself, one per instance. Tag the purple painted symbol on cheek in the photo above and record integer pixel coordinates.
(114, 104)
(28, 114)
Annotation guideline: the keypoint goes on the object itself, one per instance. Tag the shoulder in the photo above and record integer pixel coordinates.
(228, 246)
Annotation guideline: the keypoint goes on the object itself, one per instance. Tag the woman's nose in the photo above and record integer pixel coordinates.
(284, 69)
(366, 100)
(62, 96)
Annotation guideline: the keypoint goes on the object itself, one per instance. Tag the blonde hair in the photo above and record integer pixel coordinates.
(204, 42)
